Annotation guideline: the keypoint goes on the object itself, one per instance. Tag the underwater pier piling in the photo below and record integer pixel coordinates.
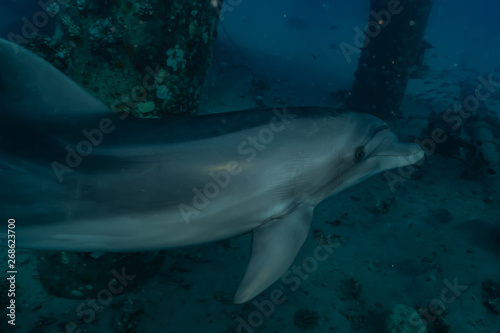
(148, 58)
(393, 41)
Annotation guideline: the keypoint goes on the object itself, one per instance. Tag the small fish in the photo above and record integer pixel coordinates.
(312, 55)
(333, 27)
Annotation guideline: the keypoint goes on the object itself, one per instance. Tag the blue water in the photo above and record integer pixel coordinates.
(429, 248)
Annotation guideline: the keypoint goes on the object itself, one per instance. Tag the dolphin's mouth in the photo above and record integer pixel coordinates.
(410, 157)
(416, 156)
(405, 153)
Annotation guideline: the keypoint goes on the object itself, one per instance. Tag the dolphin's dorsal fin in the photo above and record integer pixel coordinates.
(274, 247)
(32, 89)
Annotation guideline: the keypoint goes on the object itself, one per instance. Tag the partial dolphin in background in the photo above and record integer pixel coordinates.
(79, 177)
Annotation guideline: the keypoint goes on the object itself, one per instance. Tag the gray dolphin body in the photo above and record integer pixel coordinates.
(76, 176)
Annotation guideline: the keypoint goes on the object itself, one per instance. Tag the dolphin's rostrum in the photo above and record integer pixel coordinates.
(79, 177)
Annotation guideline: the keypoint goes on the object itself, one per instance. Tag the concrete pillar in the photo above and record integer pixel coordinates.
(393, 37)
(148, 58)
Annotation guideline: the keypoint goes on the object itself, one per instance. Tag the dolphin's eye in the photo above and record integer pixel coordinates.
(359, 154)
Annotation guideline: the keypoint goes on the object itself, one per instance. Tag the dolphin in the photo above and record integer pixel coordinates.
(76, 176)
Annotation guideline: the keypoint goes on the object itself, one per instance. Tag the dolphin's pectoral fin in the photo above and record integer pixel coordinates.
(274, 247)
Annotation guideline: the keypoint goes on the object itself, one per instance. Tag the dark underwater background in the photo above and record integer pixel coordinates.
(422, 258)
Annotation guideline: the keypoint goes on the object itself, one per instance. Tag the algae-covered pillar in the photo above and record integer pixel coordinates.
(392, 39)
(146, 57)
